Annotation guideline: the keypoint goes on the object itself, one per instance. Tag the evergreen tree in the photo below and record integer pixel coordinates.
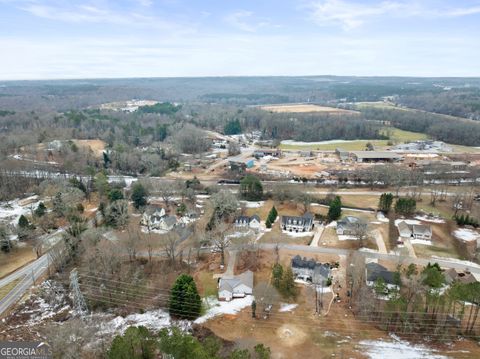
(277, 274)
(115, 194)
(139, 195)
(185, 302)
(287, 286)
(40, 210)
(232, 127)
(385, 202)
(58, 205)
(23, 222)
(251, 188)
(335, 209)
(405, 206)
(136, 343)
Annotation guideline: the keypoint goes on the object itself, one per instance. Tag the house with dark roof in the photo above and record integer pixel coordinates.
(350, 225)
(310, 270)
(297, 224)
(416, 231)
(375, 272)
(237, 286)
(451, 276)
(247, 222)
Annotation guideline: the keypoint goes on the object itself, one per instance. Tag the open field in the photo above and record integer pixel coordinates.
(97, 146)
(17, 258)
(302, 108)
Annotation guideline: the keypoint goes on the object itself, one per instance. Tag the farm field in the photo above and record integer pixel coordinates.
(304, 108)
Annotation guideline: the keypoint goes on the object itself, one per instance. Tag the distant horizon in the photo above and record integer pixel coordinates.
(91, 39)
(237, 76)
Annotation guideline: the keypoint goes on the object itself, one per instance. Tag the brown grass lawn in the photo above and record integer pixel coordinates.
(17, 258)
(298, 108)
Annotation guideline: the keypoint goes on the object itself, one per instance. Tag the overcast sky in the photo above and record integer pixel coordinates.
(146, 38)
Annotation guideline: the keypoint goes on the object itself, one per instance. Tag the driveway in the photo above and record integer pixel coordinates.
(317, 236)
(380, 242)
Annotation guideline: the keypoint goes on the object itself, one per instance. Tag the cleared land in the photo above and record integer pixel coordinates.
(396, 136)
(302, 108)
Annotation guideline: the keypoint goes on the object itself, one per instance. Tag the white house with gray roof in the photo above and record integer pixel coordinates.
(415, 231)
(237, 286)
(297, 223)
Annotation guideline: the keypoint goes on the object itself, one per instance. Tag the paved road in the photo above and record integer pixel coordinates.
(30, 273)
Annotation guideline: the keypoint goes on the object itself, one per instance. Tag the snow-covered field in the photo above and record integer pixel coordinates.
(467, 235)
(397, 349)
(11, 211)
(217, 307)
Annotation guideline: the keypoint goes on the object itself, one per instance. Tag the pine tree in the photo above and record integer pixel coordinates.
(287, 286)
(385, 202)
(185, 302)
(335, 209)
(40, 210)
(23, 222)
(277, 274)
(139, 195)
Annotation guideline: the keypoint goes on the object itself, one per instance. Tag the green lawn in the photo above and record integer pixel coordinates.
(208, 284)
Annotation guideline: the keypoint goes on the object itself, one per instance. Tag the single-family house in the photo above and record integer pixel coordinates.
(310, 270)
(152, 216)
(350, 225)
(415, 231)
(375, 271)
(451, 276)
(237, 286)
(297, 224)
(252, 222)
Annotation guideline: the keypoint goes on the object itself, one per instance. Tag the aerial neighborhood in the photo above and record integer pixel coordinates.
(240, 219)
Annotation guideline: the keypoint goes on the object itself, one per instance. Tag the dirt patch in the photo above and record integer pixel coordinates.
(291, 335)
(97, 146)
(301, 108)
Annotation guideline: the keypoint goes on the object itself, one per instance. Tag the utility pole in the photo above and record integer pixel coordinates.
(79, 304)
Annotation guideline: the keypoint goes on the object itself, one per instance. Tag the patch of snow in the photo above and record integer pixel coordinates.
(466, 263)
(430, 219)
(344, 237)
(205, 196)
(421, 241)
(324, 290)
(375, 222)
(399, 349)
(11, 211)
(249, 204)
(381, 217)
(144, 229)
(466, 235)
(153, 320)
(284, 307)
(217, 307)
(298, 234)
(332, 224)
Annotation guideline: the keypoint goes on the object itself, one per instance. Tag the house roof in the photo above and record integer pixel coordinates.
(350, 221)
(152, 209)
(229, 284)
(304, 220)
(376, 154)
(451, 275)
(376, 271)
(317, 267)
(247, 219)
(406, 230)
